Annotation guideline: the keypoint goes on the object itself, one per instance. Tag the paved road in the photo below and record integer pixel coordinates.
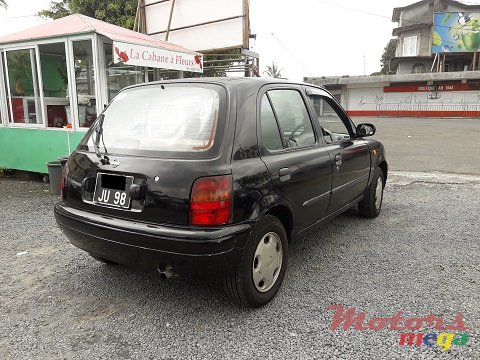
(426, 145)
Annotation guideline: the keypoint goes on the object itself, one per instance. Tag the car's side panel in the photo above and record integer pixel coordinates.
(350, 173)
(308, 186)
(302, 176)
(350, 158)
(253, 191)
(378, 157)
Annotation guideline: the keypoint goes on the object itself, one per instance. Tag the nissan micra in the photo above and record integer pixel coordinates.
(216, 177)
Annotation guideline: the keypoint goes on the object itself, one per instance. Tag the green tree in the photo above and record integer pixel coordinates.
(118, 12)
(387, 56)
(273, 71)
(57, 10)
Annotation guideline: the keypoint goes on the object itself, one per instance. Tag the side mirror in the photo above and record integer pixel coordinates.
(366, 130)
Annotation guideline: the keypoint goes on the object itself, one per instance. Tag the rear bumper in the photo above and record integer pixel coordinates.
(191, 252)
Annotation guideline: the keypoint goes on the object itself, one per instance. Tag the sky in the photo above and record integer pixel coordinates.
(303, 37)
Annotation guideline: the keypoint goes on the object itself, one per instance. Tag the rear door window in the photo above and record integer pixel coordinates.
(270, 132)
(292, 117)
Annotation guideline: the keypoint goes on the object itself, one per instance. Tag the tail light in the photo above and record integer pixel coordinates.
(62, 182)
(210, 201)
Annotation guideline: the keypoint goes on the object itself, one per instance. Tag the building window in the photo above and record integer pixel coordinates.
(409, 46)
(419, 68)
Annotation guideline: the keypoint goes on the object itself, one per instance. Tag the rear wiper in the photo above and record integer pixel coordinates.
(96, 141)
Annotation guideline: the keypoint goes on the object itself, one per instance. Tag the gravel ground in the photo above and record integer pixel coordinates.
(422, 256)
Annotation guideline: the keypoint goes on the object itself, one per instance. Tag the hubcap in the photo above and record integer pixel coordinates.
(379, 193)
(267, 262)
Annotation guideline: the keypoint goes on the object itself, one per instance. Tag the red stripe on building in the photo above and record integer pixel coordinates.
(410, 113)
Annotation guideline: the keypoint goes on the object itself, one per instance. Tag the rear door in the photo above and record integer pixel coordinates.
(350, 155)
(298, 164)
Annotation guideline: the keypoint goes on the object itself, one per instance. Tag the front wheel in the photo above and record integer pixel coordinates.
(262, 268)
(371, 205)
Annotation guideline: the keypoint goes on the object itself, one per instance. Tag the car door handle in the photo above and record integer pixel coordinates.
(284, 174)
(338, 159)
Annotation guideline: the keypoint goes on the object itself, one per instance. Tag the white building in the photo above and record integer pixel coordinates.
(436, 66)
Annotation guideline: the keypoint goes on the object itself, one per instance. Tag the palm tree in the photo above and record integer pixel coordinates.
(3, 3)
(273, 71)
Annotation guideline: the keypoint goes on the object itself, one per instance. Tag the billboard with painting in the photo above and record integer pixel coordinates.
(199, 25)
(456, 32)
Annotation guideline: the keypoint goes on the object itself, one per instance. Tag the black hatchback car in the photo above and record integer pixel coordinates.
(215, 177)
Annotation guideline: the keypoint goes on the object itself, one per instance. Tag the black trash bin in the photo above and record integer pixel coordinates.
(55, 176)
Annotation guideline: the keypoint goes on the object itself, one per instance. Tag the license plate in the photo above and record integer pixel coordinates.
(113, 190)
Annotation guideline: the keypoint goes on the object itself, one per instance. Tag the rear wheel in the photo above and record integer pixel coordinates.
(371, 205)
(262, 267)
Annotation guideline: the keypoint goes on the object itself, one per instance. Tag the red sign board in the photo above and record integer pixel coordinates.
(432, 88)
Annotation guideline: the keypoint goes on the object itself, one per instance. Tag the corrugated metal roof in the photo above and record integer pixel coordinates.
(81, 24)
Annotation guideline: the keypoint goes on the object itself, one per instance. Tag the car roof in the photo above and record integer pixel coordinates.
(243, 85)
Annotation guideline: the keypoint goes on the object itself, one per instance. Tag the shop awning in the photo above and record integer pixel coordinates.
(130, 47)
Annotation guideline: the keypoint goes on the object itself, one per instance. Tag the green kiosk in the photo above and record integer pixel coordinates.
(55, 78)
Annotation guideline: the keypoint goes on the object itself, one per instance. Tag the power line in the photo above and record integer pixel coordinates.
(17, 17)
(388, 17)
(292, 54)
(403, 20)
(353, 9)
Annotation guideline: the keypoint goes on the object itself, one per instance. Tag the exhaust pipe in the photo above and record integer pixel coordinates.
(166, 272)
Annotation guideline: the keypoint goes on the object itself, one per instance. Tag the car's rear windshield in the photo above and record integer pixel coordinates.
(178, 118)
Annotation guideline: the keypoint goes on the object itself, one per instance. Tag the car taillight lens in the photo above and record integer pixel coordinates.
(62, 183)
(210, 201)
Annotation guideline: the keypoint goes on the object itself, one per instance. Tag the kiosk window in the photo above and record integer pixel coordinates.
(55, 84)
(23, 86)
(85, 82)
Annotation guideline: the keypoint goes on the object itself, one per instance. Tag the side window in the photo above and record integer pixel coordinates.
(333, 128)
(270, 133)
(292, 115)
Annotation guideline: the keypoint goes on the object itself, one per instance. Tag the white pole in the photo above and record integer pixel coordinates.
(68, 141)
(434, 61)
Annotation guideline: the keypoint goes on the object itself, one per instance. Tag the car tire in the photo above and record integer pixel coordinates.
(102, 260)
(371, 205)
(261, 270)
